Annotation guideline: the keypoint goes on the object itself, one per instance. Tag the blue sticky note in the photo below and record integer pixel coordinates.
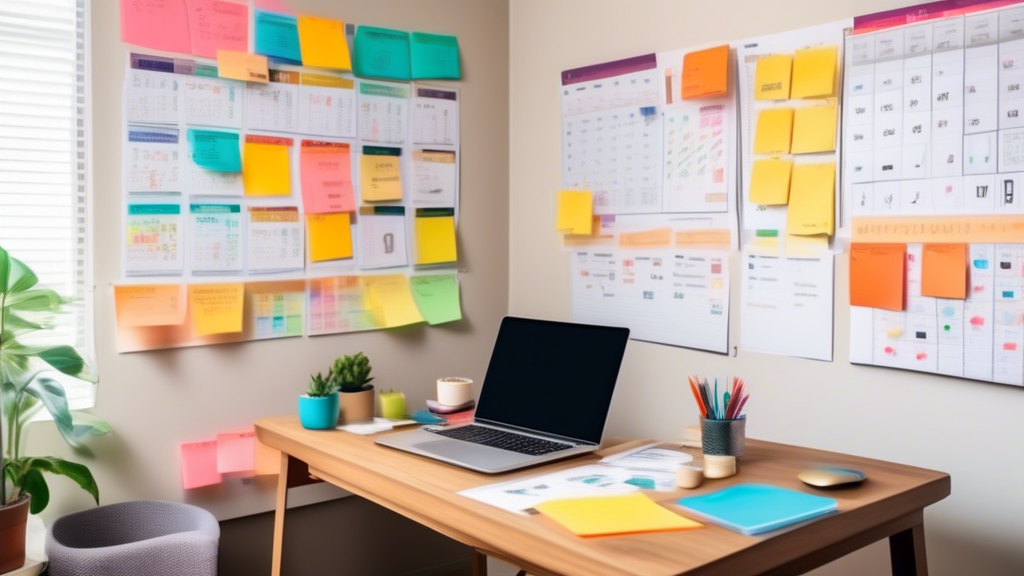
(435, 56)
(756, 508)
(277, 36)
(215, 150)
(381, 53)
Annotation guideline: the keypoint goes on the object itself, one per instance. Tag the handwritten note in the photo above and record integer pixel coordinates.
(706, 72)
(774, 131)
(266, 166)
(156, 24)
(435, 236)
(769, 181)
(772, 77)
(389, 300)
(814, 129)
(877, 275)
(380, 175)
(435, 56)
(437, 296)
(814, 72)
(242, 66)
(330, 236)
(217, 25)
(277, 36)
(199, 464)
(216, 308)
(944, 229)
(323, 44)
(812, 200)
(944, 271)
(382, 53)
(326, 171)
(150, 305)
(575, 212)
(236, 452)
(215, 150)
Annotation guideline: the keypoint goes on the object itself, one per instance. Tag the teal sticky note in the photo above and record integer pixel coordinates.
(437, 297)
(277, 36)
(215, 150)
(381, 53)
(435, 56)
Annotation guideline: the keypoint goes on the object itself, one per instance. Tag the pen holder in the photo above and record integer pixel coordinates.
(724, 437)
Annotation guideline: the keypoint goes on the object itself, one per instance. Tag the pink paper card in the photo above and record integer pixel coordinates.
(236, 452)
(218, 25)
(156, 24)
(326, 169)
(199, 464)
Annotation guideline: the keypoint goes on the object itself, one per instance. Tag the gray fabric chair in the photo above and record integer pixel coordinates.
(144, 538)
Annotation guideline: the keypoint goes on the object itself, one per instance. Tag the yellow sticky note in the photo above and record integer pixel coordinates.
(814, 129)
(814, 72)
(575, 212)
(216, 308)
(772, 77)
(389, 299)
(330, 236)
(150, 305)
(812, 200)
(380, 178)
(806, 246)
(769, 181)
(774, 131)
(242, 66)
(605, 515)
(266, 169)
(322, 43)
(435, 236)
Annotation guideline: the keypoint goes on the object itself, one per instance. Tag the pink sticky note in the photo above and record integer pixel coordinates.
(156, 24)
(326, 169)
(218, 25)
(236, 452)
(199, 464)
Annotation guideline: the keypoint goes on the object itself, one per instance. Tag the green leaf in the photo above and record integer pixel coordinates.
(89, 424)
(34, 483)
(33, 300)
(21, 277)
(77, 472)
(51, 394)
(64, 359)
(5, 269)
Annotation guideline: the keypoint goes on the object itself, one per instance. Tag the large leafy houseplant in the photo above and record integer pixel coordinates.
(28, 385)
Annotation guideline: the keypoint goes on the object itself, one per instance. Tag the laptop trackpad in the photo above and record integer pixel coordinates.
(472, 454)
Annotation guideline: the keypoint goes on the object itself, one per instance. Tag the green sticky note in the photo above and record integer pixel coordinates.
(437, 297)
(277, 35)
(215, 150)
(381, 53)
(435, 56)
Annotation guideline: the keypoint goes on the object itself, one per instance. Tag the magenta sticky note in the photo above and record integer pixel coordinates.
(236, 452)
(218, 25)
(199, 464)
(156, 24)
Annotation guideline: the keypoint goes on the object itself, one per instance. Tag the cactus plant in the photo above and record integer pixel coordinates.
(320, 386)
(351, 373)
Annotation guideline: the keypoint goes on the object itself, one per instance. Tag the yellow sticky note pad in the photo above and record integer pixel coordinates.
(242, 66)
(814, 129)
(330, 236)
(812, 200)
(774, 131)
(769, 181)
(322, 43)
(435, 236)
(265, 169)
(605, 515)
(806, 246)
(814, 72)
(380, 178)
(390, 301)
(216, 308)
(772, 77)
(575, 212)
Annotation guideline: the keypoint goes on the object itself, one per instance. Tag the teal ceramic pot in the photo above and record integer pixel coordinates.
(320, 413)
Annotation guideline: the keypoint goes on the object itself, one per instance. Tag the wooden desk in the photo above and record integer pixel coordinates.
(890, 504)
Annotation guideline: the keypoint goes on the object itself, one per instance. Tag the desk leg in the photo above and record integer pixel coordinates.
(907, 553)
(479, 563)
(279, 510)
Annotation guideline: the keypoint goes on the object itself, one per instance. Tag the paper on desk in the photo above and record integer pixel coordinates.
(520, 495)
(377, 425)
(648, 467)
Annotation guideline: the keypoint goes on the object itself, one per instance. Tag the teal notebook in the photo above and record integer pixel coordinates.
(756, 508)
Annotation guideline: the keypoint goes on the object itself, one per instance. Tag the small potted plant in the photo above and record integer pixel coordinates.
(351, 375)
(318, 407)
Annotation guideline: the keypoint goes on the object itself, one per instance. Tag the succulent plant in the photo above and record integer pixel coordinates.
(320, 386)
(351, 373)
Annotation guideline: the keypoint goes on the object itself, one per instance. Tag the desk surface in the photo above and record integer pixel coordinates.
(425, 491)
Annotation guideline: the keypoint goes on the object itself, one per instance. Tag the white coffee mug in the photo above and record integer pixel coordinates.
(454, 391)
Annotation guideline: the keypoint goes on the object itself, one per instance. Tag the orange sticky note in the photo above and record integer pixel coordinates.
(216, 308)
(235, 452)
(242, 66)
(944, 271)
(774, 131)
(330, 236)
(267, 460)
(877, 274)
(150, 305)
(199, 464)
(323, 43)
(706, 72)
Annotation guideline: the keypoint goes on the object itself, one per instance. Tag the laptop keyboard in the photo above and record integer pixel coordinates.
(501, 439)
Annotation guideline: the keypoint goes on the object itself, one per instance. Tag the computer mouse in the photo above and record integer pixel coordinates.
(831, 477)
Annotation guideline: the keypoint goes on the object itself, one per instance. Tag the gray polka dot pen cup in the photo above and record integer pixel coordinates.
(724, 437)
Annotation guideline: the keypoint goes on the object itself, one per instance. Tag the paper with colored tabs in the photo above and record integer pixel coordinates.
(218, 25)
(706, 73)
(242, 66)
(389, 300)
(814, 129)
(266, 167)
(434, 56)
(236, 452)
(435, 235)
(199, 464)
(330, 236)
(437, 296)
(216, 308)
(877, 275)
(575, 212)
(772, 77)
(215, 150)
(774, 131)
(323, 44)
(814, 72)
(156, 24)
(277, 36)
(620, 514)
(150, 305)
(769, 181)
(944, 271)
(266, 461)
(812, 200)
(379, 174)
(382, 53)
(326, 173)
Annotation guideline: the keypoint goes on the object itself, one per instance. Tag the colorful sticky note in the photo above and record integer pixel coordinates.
(326, 173)
(277, 36)
(218, 25)
(216, 308)
(437, 296)
(215, 150)
(814, 129)
(944, 271)
(266, 461)
(330, 236)
(199, 464)
(812, 199)
(242, 66)
(806, 246)
(150, 305)
(769, 181)
(323, 44)
(814, 72)
(575, 212)
(621, 514)
(379, 174)
(382, 53)
(389, 300)
(236, 452)
(706, 72)
(772, 77)
(774, 131)
(435, 235)
(434, 56)
(266, 167)
(156, 24)
(877, 275)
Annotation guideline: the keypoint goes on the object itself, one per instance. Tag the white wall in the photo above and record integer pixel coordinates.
(972, 430)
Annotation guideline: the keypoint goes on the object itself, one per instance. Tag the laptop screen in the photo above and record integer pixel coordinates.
(552, 377)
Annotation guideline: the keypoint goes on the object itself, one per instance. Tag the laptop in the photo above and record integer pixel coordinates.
(545, 397)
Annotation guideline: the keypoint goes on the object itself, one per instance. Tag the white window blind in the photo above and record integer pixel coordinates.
(44, 217)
